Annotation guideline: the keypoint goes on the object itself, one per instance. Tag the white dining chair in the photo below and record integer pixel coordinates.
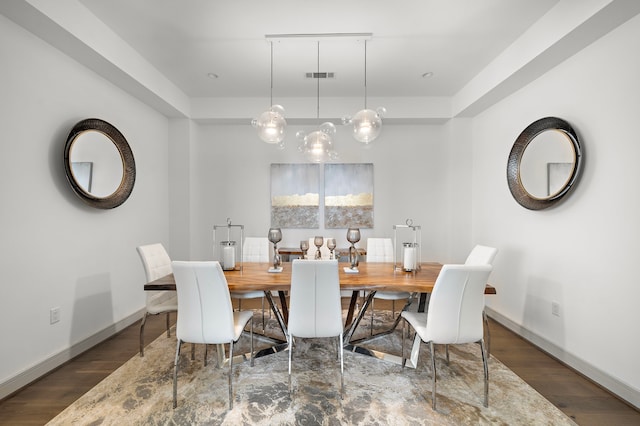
(254, 249)
(157, 264)
(454, 316)
(381, 250)
(315, 309)
(482, 255)
(206, 313)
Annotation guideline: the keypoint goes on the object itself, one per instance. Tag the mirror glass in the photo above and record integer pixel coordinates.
(96, 164)
(547, 164)
(99, 164)
(544, 163)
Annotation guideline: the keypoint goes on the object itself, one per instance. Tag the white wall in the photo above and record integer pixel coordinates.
(582, 253)
(55, 250)
(231, 178)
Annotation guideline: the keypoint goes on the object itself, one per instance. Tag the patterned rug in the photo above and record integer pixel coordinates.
(376, 392)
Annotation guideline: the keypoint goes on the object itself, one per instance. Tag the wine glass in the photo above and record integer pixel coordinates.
(353, 236)
(304, 246)
(275, 236)
(331, 245)
(318, 241)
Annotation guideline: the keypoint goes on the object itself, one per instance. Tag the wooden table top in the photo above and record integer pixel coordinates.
(371, 276)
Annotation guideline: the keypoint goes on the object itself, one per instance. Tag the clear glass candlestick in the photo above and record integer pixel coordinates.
(275, 236)
(331, 245)
(304, 246)
(318, 241)
(353, 236)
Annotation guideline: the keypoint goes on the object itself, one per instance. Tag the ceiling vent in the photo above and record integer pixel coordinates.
(320, 75)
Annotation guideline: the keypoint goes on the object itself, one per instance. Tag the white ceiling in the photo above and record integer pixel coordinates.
(187, 39)
(161, 51)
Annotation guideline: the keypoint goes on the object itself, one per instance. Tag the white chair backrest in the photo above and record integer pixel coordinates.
(481, 255)
(255, 249)
(456, 304)
(204, 305)
(379, 250)
(155, 260)
(324, 251)
(315, 309)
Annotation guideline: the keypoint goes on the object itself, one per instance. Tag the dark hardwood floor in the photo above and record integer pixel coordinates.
(579, 398)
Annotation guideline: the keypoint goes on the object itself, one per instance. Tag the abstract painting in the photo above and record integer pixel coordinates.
(295, 195)
(348, 196)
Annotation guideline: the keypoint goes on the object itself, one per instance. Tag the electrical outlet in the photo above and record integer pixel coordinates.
(555, 309)
(54, 315)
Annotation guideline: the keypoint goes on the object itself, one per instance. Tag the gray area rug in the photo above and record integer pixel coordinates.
(376, 392)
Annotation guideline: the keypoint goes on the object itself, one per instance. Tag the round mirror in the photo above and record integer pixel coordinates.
(544, 163)
(99, 164)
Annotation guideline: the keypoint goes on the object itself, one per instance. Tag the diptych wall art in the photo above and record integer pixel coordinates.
(295, 195)
(348, 196)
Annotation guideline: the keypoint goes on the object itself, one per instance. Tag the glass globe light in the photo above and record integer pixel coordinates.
(317, 146)
(271, 125)
(367, 124)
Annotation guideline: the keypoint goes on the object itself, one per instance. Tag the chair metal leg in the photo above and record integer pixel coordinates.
(251, 355)
(341, 369)
(144, 319)
(168, 326)
(290, 351)
(486, 328)
(433, 381)
(230, 375)
(206, 351)
(404, 332)
(485, 362)
(175, 376)
(446, 351)
(372, 309)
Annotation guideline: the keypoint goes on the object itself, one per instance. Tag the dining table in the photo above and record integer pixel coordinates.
(368, 277)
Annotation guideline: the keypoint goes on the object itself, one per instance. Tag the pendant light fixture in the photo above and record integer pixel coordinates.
(317, 146)
(366, 124)
(271, 124)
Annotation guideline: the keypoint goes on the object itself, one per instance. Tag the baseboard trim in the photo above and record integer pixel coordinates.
(27, 376)
(623, 391)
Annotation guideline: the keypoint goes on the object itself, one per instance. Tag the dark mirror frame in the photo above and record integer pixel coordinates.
(515, 157)
(123, 191)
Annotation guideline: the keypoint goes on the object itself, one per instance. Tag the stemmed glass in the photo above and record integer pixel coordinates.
(353, 236)
(331, 245)
(318, 241)
(275, 236)
(304, 246)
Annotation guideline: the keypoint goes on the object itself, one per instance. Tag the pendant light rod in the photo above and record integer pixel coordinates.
(365, 74)
(318, 86)
(271, 95)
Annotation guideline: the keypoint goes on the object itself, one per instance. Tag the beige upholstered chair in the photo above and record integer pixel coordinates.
(454, 315)
(206, 314)
(315, 310)
(381, 250)
(157, 264)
